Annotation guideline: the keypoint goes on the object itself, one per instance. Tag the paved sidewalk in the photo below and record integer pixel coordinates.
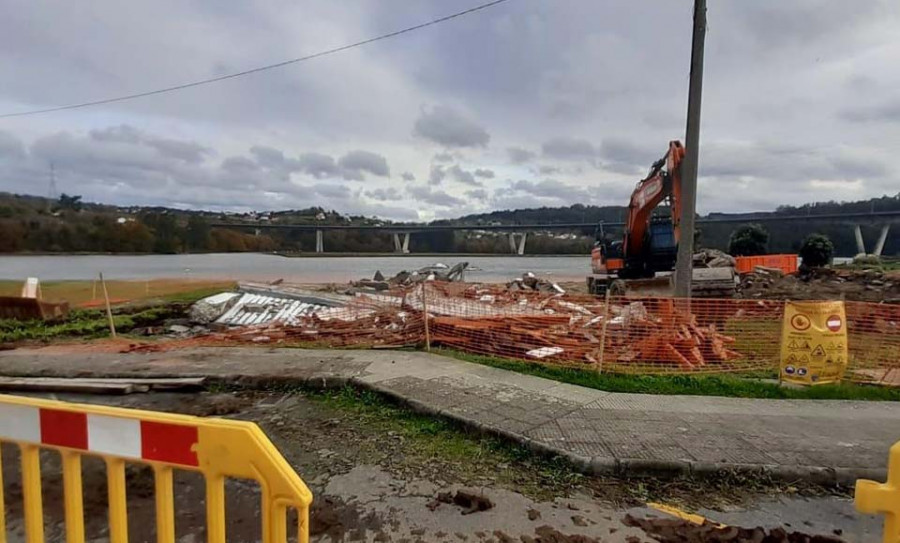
(601, 432)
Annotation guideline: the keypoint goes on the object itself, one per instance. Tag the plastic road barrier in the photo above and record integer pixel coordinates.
(873, 497)
(214, 447)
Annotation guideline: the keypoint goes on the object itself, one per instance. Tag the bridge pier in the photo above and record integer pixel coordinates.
(256, 232)
(860, 245)
(401, 243)
(879, 246)
(517, 248)
(320, 241)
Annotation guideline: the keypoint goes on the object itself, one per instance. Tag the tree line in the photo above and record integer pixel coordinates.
(68, 225)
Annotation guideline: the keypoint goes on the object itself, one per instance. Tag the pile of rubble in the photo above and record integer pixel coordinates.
(572, 330)
(493, 320)
(530, 281)
(868, 285)
(435, 272)
(713, 258)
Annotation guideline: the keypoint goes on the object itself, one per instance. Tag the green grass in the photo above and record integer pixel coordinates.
(738, 386)
(93, 323)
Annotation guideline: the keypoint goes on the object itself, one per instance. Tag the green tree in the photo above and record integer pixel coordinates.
(749, 240)
(197, 235)
(816, 251)
(72, 202)
(165, 230)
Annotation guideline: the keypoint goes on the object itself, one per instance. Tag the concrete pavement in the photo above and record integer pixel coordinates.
(599, 432)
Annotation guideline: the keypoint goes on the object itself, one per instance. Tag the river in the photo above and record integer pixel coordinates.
(490, 268)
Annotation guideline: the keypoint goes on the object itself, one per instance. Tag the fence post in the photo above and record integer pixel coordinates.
(425, 317)
(603, 331)
(112, 325)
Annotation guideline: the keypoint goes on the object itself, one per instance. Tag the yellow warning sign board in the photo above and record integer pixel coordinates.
(813, 342)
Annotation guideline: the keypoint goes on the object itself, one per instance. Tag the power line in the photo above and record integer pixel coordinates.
(259, 69)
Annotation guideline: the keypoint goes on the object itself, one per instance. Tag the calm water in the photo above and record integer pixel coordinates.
(269, 267)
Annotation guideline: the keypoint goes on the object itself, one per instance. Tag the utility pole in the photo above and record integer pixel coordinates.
(684, 265)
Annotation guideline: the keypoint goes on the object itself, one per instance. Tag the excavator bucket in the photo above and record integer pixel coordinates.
(705, 283)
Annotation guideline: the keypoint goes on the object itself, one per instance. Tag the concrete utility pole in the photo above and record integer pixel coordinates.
(684, 265)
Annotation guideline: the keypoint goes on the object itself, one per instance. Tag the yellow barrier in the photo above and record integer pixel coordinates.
(873, 497)
(214, 447)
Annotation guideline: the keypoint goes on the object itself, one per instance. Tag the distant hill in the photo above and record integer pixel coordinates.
(36, 224)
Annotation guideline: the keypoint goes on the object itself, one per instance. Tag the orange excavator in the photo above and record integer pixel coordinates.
(650, 242)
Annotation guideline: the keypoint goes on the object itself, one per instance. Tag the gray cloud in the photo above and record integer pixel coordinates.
(519, 155)
(424, 193)
(389, 194)
(885, 113)
(463, 176)
(317, 165)
(188, 151)
(484, 173)
(443, 157)
(568, 148)
(356, 162)
(448, 127)
(268, 156)
(436, 175)
(477, 194)
(408, 176)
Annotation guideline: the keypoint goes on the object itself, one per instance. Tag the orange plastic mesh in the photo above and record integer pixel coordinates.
(622, 335)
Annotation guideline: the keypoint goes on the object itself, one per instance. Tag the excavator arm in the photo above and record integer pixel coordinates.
(657, 186)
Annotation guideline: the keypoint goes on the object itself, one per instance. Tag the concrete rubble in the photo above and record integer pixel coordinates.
(435, 272)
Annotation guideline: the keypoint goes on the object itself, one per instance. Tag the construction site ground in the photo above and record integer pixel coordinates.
(630, 443)
(381, 473)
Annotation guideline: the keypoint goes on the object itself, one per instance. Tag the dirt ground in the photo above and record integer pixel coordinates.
(375, 479)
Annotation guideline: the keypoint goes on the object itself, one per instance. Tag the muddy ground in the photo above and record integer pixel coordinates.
(381, 474)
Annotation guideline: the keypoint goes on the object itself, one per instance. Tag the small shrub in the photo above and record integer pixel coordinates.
(817, 251)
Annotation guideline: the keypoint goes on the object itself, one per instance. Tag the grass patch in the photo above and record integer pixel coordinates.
(738, 386)
(92, 323)
(450, 443)
(90, 292)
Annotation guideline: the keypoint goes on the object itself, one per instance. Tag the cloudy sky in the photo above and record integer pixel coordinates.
(529, 103)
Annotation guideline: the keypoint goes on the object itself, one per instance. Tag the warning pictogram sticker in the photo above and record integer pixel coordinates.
(818, 351)
(800, 322)
(794, 346)
(834, 323)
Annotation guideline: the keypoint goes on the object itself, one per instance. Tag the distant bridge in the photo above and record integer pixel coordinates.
(519, 232)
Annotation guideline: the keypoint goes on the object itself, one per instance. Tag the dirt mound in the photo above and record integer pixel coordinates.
(869, 285)
(682, 531)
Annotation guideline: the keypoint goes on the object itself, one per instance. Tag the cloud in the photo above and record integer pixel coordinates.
(568, 148)
(450, 128)
(187, 151)
(888, 112)
(462, 176)
(356, 162)
(519, 155)
(389, 194)
(11, 147)
(443, 157)
(436, 175)
(424, 193)
(477, 194)
(484, 173)
(408, 176)
(317, 165)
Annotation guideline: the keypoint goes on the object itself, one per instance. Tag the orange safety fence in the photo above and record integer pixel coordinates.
(647, 335)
